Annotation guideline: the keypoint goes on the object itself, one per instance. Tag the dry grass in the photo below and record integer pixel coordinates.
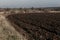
(7, 31)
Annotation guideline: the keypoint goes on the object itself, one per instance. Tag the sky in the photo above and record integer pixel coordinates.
(29, 3)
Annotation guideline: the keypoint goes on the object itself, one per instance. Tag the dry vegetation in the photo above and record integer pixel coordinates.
(29, 24)
(7, 31)
(41, 26)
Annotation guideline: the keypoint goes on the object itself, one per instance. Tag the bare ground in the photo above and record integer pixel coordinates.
(41, 26)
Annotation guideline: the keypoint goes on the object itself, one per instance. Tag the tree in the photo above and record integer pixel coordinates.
(32, 8)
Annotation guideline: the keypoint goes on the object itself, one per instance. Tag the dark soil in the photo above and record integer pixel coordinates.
(38, 26)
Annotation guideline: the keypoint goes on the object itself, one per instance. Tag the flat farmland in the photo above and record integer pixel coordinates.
(37, 26)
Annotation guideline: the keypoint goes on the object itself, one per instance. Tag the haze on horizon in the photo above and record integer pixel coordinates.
(29, 3)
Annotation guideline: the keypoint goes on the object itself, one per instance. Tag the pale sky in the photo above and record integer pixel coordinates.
(29, 3)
